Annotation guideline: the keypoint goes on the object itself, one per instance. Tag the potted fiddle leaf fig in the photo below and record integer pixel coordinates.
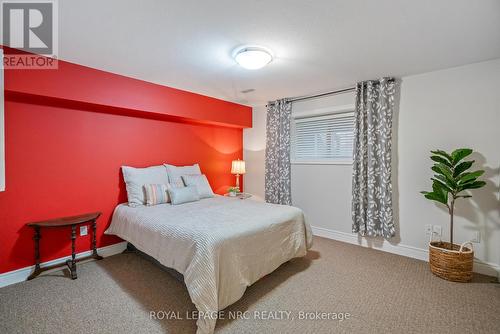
(452, 178)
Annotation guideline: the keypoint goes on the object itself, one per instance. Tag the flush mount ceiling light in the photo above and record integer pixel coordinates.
(252, 57)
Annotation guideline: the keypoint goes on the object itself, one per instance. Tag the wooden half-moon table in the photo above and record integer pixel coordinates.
(88, 218)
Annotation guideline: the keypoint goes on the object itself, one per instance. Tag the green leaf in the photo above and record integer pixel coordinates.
(472, 185)
(462, 167)
(441, 178)
(442, 160)
(438, 189)
(436, 169)
(442, 169)
(467, 177)
(459, 154)
(443, 185)
(443, 154)
(435, 197)
(463, 186)
(446, 172)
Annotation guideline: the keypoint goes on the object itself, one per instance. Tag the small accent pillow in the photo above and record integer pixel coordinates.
(201, 184)
(156, 194)
(175, 173)
(183, 195)
(136, 178)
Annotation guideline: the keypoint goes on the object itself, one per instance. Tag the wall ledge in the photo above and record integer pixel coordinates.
(81, 87)
(35, 99)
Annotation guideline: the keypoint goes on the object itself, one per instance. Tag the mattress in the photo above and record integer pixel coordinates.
(221, 245)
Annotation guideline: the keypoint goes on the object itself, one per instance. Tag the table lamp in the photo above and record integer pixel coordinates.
(238, 168)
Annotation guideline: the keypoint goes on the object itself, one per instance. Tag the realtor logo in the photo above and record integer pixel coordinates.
(30, 26)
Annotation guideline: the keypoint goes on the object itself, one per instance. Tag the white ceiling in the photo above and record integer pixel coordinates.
(320, 44)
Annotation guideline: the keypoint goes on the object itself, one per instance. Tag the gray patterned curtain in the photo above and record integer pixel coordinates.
(277, 179)
(371, 180)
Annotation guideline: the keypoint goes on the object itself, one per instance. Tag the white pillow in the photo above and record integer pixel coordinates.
(201, 184)
(136, 178)
(175, 173)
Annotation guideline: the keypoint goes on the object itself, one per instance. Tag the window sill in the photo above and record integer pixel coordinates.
(337, 162)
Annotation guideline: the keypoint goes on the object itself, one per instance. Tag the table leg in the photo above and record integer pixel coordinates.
(73, 253)
(37, 238)
(94, 243)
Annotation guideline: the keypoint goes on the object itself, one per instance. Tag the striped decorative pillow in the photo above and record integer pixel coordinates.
(156, 194)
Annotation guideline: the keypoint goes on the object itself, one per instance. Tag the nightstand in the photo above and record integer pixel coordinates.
(239, 195)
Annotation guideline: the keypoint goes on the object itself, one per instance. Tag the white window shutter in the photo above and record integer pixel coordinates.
(327, 138)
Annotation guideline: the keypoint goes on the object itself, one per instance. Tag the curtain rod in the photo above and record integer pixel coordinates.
(340, 91)
(334, 92)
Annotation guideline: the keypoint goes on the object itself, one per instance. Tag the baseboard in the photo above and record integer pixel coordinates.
(491, 269)
(22, 274)
(484, 268)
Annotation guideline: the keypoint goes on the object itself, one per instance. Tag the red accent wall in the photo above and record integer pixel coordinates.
(68, 132)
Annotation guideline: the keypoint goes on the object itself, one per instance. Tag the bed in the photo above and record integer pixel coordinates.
(221, 245)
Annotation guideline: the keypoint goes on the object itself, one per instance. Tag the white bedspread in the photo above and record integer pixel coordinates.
(221, 245)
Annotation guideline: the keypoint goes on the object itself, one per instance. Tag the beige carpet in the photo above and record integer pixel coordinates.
(383, 293)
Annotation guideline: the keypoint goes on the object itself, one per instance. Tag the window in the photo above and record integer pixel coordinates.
(322, 139)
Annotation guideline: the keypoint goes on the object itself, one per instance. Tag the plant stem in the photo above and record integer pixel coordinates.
(452, 207)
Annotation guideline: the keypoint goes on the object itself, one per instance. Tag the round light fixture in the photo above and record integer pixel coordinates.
(252, 57)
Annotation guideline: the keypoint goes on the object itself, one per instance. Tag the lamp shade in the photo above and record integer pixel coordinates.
(238, 167)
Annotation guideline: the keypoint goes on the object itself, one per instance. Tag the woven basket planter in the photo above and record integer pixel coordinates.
(451, 264)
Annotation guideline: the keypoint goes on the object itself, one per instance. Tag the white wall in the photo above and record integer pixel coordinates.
(254, 152)
(457, 107)
(323, 191)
